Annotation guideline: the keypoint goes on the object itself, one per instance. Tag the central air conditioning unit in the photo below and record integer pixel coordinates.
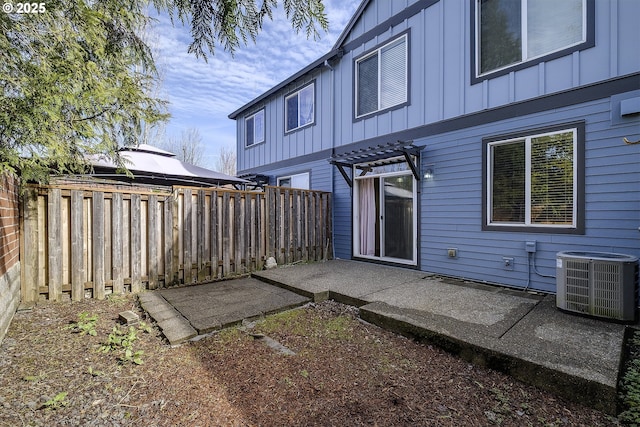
(599, 284)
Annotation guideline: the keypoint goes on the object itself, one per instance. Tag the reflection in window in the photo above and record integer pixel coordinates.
(254, 126)
(532, 180)
(299, 108)
(514, 31)
(300, 180)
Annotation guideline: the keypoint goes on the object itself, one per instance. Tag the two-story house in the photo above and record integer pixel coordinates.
(453, 132)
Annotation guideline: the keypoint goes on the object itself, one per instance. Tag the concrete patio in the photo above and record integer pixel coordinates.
(520, 333)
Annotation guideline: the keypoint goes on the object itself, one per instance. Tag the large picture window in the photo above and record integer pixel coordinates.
(532, 181)
(299, 108)
(510, 32)
(381, 78)
(254, 128)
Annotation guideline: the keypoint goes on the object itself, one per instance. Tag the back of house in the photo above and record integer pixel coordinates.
(469, 138)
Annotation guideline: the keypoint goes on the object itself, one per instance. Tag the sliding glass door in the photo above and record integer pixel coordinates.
(385, 216)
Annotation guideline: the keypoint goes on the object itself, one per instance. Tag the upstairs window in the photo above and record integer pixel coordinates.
(254, 128)
(381, 78)
(532, 181)
(299, 108)
(510, 32)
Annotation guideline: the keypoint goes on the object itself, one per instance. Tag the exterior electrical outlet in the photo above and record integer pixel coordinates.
(508, 263)
(530, 246)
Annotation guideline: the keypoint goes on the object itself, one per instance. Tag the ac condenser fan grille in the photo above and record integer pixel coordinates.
(598, 284)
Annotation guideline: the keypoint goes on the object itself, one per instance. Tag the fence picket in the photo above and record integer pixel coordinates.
(54, 245)
(201, 237)
(213, 222)
(117, 243)
(135, 244)
(98, 244)
(167, 232)
(187, 263)
(237, 234)
(77, 246)
(152, 245)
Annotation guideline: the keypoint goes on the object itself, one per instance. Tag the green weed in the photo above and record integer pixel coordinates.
(86, 324)
(57, 402)
(121, 340)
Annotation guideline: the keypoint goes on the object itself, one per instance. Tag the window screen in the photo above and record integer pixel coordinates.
(254, 128)
(382, 78)
(532, 180)
(514, 31)
(299, 108)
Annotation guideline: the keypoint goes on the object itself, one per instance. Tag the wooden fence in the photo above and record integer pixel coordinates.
(89, 242)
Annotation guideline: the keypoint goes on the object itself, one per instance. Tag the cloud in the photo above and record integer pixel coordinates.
(202, 94)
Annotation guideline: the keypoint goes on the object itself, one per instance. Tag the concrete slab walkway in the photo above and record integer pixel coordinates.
(185, 312)
(519, 333)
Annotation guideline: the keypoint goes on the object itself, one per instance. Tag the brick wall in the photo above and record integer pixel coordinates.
(9, 251)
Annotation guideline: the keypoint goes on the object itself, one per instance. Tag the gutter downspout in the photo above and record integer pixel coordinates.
(333, 152)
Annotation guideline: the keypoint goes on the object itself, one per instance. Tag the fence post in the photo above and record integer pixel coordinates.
(29, 246)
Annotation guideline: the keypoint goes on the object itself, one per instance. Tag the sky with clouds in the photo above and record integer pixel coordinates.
(202, 94)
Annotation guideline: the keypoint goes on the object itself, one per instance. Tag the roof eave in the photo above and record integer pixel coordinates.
(350, 24)
(316, 64)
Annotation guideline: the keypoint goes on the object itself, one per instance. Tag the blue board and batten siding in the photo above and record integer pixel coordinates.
(451, 115)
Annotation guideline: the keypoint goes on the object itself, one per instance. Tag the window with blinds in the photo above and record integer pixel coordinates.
(532, 180)
(514, 31)
(382, 78)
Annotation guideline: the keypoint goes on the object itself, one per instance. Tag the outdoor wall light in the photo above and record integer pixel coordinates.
(428, 174)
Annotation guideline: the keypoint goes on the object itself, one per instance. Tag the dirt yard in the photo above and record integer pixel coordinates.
(55, 370)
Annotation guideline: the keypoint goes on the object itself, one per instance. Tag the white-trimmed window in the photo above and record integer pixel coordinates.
(299, 108)
(300, 180)
(532, 181)
(382, 78)
(254, 128)
(510, 32)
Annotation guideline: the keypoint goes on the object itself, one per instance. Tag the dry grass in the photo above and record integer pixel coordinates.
(343, 372)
